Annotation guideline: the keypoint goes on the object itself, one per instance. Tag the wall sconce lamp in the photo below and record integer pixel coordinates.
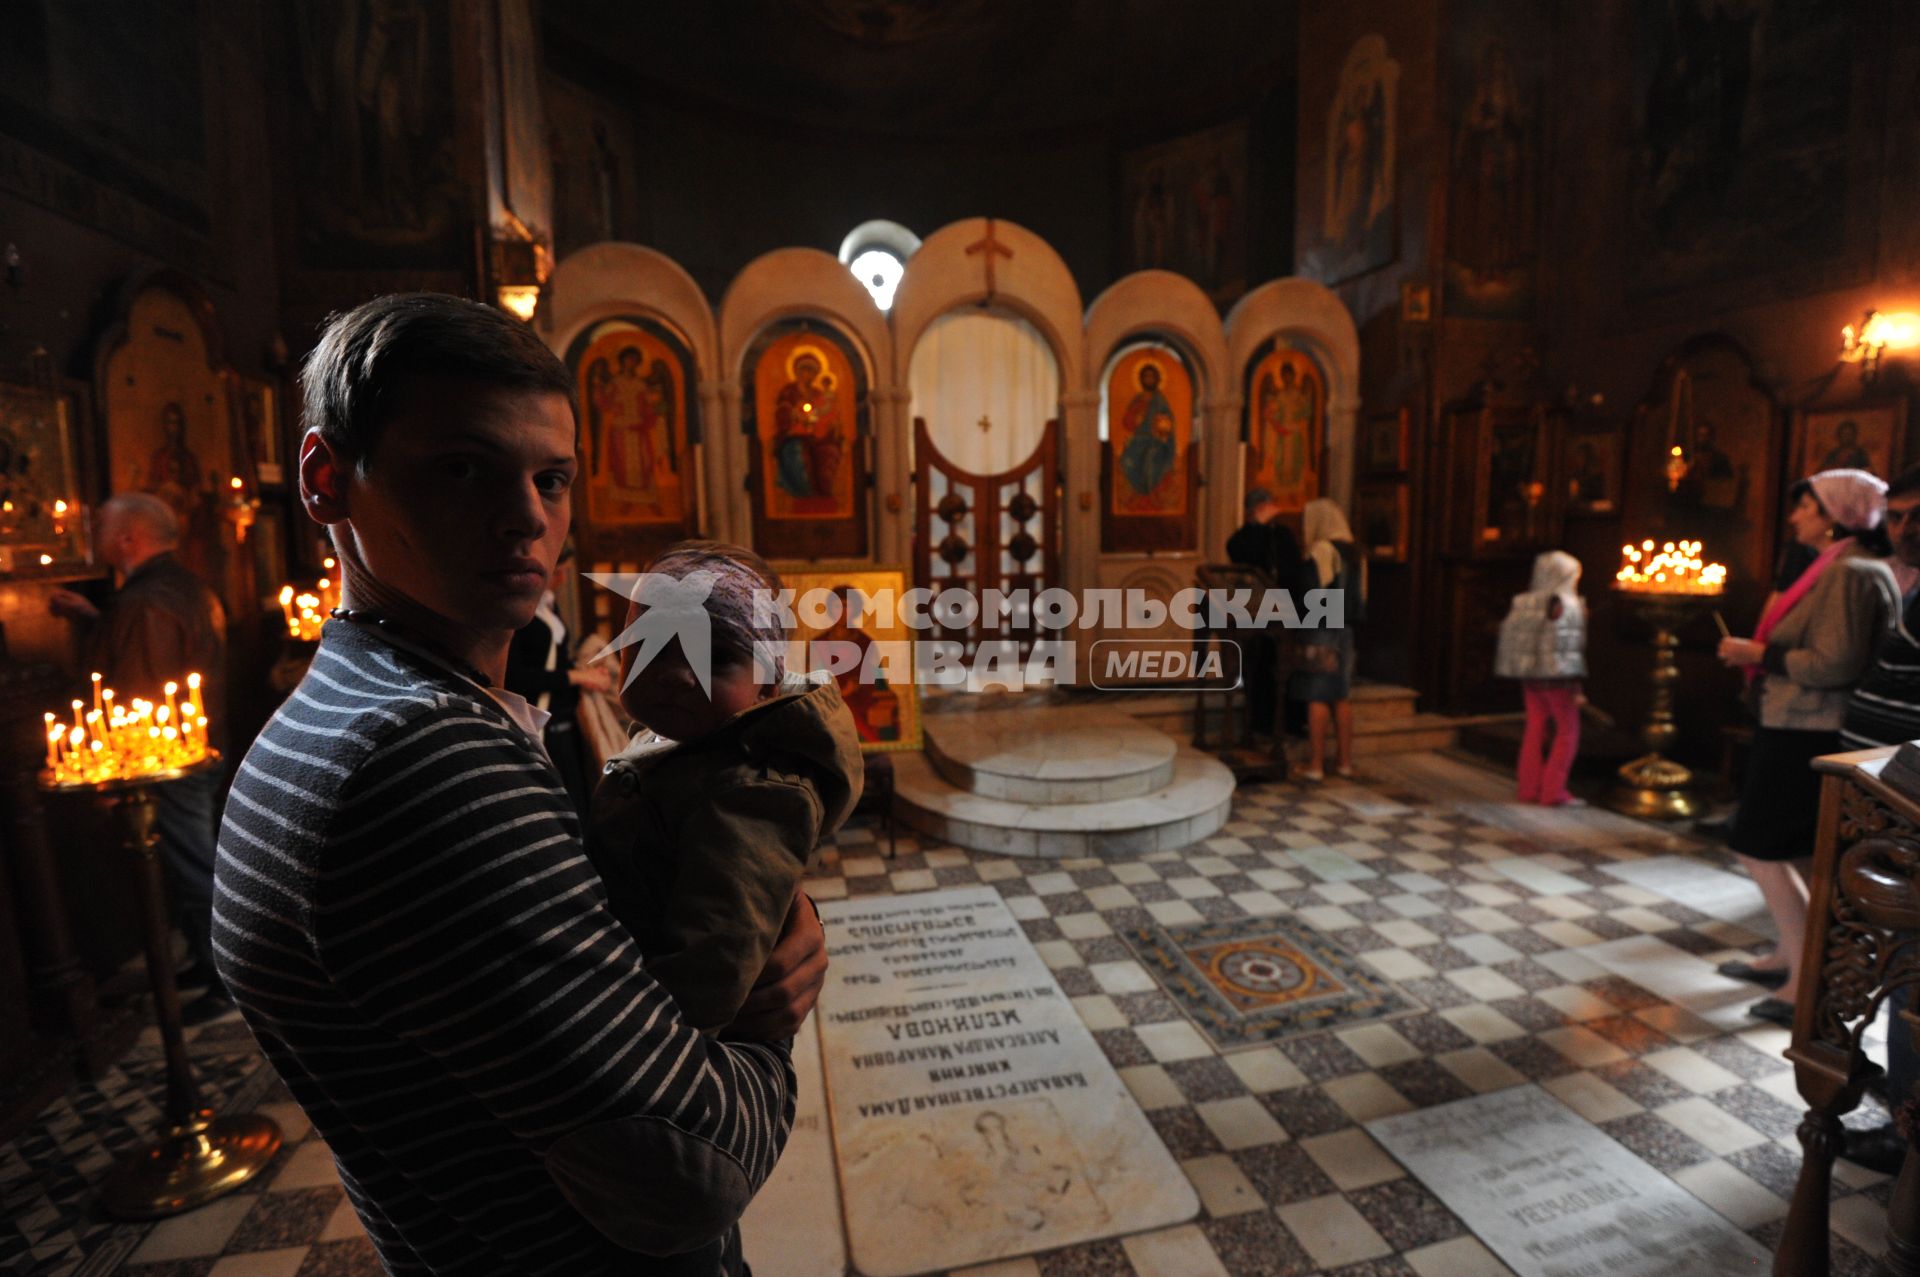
(520, 269)
(1877, 335)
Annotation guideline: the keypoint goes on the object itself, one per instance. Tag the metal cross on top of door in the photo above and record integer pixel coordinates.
(983, 423)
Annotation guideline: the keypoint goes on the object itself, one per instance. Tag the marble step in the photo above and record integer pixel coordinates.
(1195, 803)
(1383, 701)
(1172, 712)
(1413, 734)
(1068, 754)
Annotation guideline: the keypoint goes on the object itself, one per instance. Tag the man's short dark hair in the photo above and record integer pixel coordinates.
(1904, 484)
(352, 379)
(1255, 498)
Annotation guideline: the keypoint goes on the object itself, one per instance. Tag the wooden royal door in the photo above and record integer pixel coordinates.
(981, 532)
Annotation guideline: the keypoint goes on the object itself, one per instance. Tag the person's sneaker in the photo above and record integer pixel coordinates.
(1310, 777)
(1569, 801)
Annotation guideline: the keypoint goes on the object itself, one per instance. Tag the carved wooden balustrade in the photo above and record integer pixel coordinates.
(1863, 946)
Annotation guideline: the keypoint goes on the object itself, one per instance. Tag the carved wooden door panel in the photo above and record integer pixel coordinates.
(981, 532)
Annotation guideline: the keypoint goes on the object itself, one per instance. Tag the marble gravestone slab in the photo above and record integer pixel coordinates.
(1555, 1196)
(974, 1116)
(793, 1227)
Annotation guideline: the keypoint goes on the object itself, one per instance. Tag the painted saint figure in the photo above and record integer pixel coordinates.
(599, 408)
(173, 471)
(634, 423)
(1148, 425)
(1288, 410)
(1488, 225)
(630, 427)
(808, 436)
(1846, 452)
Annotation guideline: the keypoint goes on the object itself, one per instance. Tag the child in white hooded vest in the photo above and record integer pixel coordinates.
(1543, 643)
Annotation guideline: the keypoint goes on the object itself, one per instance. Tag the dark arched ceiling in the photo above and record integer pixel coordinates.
(938, 68)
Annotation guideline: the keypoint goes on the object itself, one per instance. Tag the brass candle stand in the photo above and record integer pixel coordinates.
(199, 1156)
(1653, 786)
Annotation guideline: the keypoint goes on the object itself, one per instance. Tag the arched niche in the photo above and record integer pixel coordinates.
(615, 281)
(1004, 266)
(641, 427)
(806, 406)
(1309, 317)
(606, 279)
(783, 288)
(169, 412)
(999, 263)
(1161, 305)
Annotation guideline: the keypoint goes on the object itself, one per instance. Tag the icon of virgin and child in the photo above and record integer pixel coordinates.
(809, 435)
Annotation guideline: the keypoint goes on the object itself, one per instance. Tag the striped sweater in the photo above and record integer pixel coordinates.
(407, 919)
(1885, 708)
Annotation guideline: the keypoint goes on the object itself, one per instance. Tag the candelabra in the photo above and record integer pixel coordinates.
(121, 758)
(1667, 586)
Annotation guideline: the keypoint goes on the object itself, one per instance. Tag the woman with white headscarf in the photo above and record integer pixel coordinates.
(1324, 677)
(1812, 645)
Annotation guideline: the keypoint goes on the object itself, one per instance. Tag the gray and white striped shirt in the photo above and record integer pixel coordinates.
(406, 917)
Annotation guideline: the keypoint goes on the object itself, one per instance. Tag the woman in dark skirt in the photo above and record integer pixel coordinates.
(1324, 679)
(1813, 644)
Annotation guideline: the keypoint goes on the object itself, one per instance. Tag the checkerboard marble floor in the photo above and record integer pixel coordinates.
(1478, 908)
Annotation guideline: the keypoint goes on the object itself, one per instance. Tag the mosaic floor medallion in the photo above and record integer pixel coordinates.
(1257, 980)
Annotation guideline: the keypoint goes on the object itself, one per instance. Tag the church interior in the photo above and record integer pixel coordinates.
(1592, 324)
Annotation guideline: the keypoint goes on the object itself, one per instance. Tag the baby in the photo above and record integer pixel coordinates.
(703, 827)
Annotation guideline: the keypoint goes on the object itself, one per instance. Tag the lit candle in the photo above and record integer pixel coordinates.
(116, 741)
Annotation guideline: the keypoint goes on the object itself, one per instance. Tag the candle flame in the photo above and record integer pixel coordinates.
(1676, 569)
(112, 741)
(306, 611)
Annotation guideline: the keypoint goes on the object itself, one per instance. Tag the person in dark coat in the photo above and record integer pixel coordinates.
(160, 625)
(1264, 542)
(540, 667)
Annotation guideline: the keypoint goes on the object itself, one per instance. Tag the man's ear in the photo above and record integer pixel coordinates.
(323, 479)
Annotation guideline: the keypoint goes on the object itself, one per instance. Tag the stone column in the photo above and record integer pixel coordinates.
(1342, 443)
(893, 477)
(727, 514)
(1220, 470)
(1080, 464)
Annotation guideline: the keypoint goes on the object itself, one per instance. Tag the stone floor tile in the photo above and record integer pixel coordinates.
(1331, 1231)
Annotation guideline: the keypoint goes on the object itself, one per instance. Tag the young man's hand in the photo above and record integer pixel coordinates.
(790, 983)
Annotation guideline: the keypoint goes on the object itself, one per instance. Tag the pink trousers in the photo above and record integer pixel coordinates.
(1543, 771)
